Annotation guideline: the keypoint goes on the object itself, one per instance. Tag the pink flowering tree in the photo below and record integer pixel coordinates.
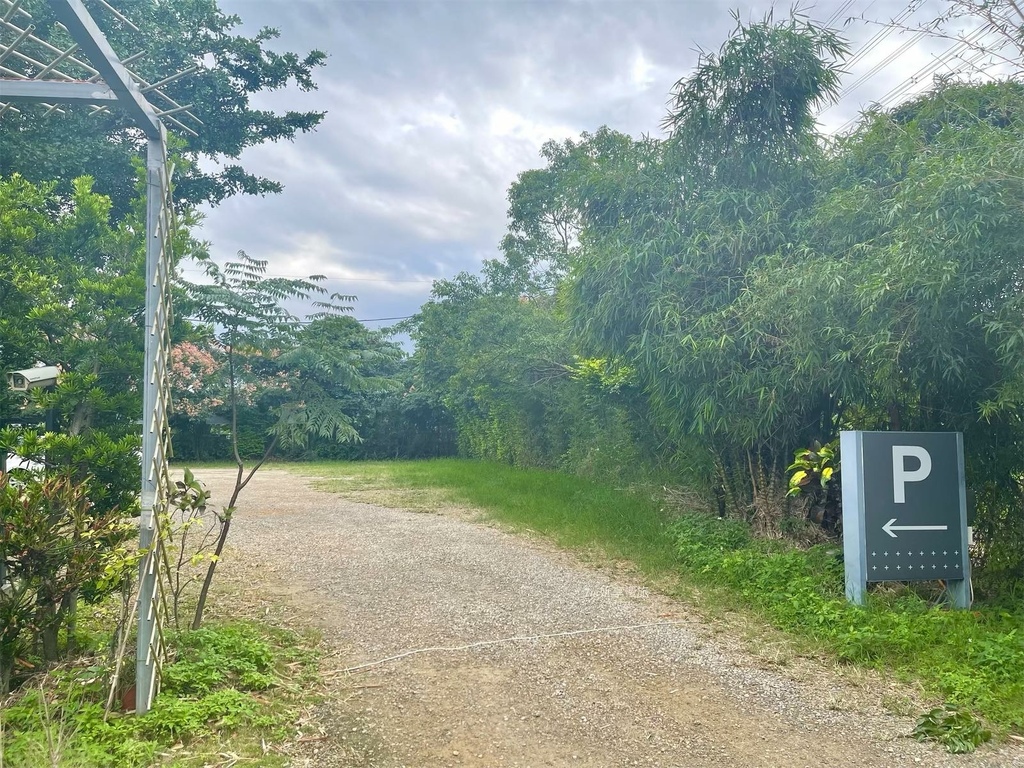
(197, 384)
(201, 390)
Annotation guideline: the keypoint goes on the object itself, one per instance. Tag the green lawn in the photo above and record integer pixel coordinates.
(575, 512)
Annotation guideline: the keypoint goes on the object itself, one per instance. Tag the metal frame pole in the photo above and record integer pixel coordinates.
(961, 593)
(851, 447)
(146, 652)
(117, 86)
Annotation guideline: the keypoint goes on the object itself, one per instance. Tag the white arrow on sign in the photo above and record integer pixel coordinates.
(890, 528)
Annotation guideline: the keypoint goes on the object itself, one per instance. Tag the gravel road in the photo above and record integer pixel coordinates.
(591, 669)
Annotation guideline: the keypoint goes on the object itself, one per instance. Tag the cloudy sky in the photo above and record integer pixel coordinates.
(434, 108)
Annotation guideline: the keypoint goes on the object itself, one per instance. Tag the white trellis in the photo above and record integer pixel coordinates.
(88, 72)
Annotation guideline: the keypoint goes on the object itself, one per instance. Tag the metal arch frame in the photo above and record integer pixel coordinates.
(113, 85)
(76, 19)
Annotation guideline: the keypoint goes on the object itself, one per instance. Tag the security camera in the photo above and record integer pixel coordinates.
(33, 378)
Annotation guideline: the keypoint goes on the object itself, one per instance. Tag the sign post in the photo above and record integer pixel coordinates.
(905, 511)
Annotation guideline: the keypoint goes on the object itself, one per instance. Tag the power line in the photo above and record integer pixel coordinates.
(880, 36)
(931, 67)
(367, 320)
(379, 319)
(900, 90)
(331, 277)
(839, 12)
(873, 42)
(883, 63)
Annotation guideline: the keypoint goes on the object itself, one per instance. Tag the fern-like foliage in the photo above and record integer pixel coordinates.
(307, 373)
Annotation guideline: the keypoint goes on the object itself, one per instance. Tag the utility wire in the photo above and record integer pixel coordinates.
(900, 90)
(839, 12)
(931, 67)
(873, 42)
(367, 320)
(879, 37)
(379, 319)
(883, 63)
(330, 277)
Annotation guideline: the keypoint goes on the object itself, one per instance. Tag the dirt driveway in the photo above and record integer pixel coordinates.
(459, 644)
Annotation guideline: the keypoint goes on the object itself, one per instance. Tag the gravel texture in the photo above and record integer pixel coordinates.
(669, 691)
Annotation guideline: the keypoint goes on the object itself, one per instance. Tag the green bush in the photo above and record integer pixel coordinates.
(55, 546)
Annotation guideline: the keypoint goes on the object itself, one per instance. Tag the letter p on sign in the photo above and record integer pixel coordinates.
(901, 475)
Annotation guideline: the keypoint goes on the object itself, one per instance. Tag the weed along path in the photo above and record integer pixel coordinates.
(456, 643)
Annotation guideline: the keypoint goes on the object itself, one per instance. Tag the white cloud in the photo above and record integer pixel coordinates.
(434, 108)
(642, 72)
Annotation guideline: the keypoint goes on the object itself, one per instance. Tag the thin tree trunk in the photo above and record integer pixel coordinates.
(240, 483)
(224, 529)
(225, 526)
(48, 634)
(895, 423)
(69, 608)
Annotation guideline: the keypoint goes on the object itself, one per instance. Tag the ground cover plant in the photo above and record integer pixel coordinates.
(971, 660)
(232, 689)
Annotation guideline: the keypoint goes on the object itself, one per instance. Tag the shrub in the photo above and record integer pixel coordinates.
(53, 543)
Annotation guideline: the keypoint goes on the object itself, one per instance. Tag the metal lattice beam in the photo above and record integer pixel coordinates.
(89, 60)
(50, 91)
(83, 29)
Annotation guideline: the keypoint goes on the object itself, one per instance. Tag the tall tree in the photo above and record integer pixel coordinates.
(548, 207)
(655, 284)
(911, 262)
(72, 291)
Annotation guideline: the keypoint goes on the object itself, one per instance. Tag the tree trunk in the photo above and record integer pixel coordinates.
(69, 608)
(895, 423)
(226, 525)
(48, 636)
(240, 483)
(208, 580)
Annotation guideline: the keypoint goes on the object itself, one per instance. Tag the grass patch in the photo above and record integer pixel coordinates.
(575, 512)
(230, 688)
(971, 659)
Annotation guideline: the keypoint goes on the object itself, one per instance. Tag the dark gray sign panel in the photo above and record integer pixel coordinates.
(904, 509)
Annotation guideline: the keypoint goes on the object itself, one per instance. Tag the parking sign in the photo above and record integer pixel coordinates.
(904, 510)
